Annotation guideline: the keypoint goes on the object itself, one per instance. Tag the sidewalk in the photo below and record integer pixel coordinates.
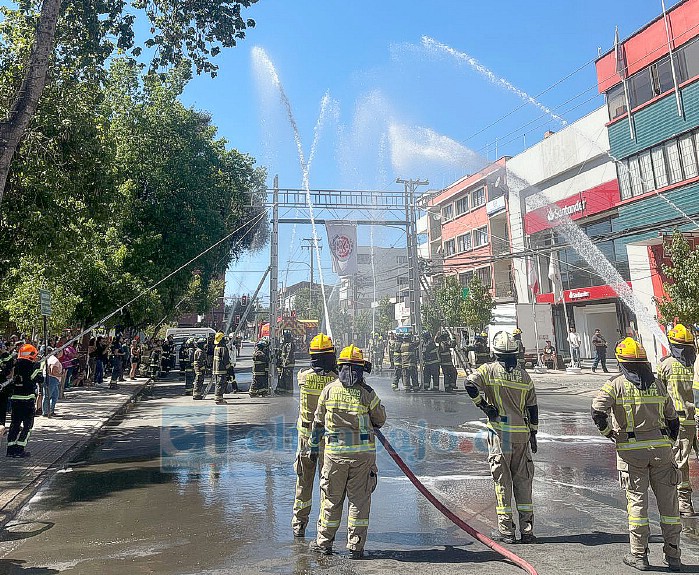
(81, 415)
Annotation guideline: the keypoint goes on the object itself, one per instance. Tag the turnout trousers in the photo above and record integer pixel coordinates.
(305, 468)
(354, 477)
(286, 380)
(21, 424)
(683, 451)
(512, 469)
(656, 467)
(450, 374)
(396, 377)
(410, 378)
(430, 373)
(198, 384)
(220, 384)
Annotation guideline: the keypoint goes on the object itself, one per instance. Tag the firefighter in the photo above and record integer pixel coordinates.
(311, 381)
(505, 393)
(27, 376)
(260, 369)
(166, 355)
(380, 353)
(348, 411)
(8, 358)
(480, 349)
(408, 363)
(234, 353)
(154, 362)
(394, 355)
(199, 363)
(391, 349)
(644, 426)
(430, 359)
(182, 357)
(221, 363)
(188, 360)
(286, 363)
(444, 347)
(517, 334)
(676, 372)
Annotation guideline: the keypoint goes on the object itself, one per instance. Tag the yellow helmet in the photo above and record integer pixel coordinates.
(516, 331)
(218, 337)
(629, 350)
(680, 335)
(321, 344)
(352, 355)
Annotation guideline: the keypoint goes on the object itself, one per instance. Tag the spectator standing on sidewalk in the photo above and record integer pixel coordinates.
(574, 341)
(135, 357)
(91, 361)
(52, 383)
(100, 359)
(67, 357)
(117, 353)
(600, 345)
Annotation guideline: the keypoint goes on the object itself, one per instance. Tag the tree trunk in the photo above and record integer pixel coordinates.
(20, 115)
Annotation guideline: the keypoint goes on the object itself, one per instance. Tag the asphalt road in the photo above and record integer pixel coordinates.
(178, 487)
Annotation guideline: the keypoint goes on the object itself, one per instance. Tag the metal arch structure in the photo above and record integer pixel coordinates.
(362, 207)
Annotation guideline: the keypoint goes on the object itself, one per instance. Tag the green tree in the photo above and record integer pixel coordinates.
(445, 307)
(682, 285)
(84, 34)
(477, 308)
(307, 308)
(385, 316)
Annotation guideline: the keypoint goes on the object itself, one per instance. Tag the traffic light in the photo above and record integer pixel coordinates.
(244, 301)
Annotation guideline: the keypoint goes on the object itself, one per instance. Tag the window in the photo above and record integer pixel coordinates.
(401, 259)
(480, 236)
(688, 59)
(646, 166)
(478, 197)
(616, 102)
(689, 158)
(640, 87)
(672, 153)
(635, 171)
(363, 258)
(464, 242)
(624, 179)
(449, 248)
(465, 278)
(661, 73)
(447, 212)
(659, 167)
(462, 205)
(402, 280)
(485, 276)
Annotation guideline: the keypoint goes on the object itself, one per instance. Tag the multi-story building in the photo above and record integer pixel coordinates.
(651, 84)
(570, 174)
(469, 235)
(385, 276)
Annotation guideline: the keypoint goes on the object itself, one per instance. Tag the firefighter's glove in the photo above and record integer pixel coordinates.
(613, 435)
(490, 411)
(673, 426)
(532, 441)
(313, 452)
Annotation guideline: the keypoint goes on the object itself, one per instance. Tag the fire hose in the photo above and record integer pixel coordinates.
(487, 541)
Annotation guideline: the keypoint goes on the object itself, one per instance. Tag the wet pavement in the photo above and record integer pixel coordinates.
(182, 487)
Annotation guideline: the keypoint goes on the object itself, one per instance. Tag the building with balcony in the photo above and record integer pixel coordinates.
(651, 85)
(469, 235)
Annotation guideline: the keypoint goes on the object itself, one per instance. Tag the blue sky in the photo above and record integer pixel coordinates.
(396, 106)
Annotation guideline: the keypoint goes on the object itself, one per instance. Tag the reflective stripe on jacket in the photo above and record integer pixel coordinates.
(638, 415)
(349, 415)
(678, 381)
(311, 385)
(511, 393)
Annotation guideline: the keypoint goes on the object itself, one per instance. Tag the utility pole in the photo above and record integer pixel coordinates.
(274, 286)
(413, 266)
(310, 247)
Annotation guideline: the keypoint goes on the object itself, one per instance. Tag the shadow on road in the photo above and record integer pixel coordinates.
(10, 532)
(449, 554)
(15, 567)
(588, 539)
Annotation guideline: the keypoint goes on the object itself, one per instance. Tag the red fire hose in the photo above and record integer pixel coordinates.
(487, 541)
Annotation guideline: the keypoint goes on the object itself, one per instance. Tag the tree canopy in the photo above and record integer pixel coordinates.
(115, 185)
(449, 308)
(682, 287)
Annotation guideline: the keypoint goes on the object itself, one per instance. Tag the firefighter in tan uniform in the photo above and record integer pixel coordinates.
(312, 381)
(677, 374)
(505, 393)
(644, 426)
(348, 411)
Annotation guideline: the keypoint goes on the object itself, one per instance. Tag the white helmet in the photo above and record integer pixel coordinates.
(504, 343)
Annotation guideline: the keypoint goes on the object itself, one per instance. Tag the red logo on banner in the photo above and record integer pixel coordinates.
(342, 247)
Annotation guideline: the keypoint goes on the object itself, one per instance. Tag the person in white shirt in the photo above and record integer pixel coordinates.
(574, 341)
(52, 384)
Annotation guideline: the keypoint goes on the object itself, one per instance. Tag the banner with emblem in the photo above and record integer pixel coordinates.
(342, 239)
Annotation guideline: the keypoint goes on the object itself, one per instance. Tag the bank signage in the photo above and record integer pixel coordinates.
(580, 295)
(593, 201)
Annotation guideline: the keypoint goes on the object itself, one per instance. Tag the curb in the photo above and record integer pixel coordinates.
(10, 512)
